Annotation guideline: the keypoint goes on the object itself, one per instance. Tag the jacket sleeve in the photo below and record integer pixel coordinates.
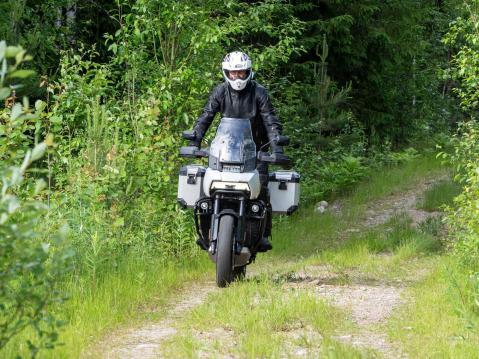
(211, 108)
(268, 114)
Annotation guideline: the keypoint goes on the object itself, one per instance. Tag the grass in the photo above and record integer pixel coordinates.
(256, 318)
(134, 293)
(386, 181)
(439, 322)
(259, 314)
(439, 195)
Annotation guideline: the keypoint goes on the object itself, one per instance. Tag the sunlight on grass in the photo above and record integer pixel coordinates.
(259, 319)
(436, 324)
(383, 182)
(135, 292)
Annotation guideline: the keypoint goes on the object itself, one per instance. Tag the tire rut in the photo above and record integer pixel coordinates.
(145, 341)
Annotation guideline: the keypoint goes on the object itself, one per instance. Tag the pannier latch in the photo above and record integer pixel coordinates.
(192, 173)
(283, 179)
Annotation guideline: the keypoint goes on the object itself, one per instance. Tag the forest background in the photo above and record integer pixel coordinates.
(104, 88)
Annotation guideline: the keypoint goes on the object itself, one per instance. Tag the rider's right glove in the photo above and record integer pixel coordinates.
(195, 143)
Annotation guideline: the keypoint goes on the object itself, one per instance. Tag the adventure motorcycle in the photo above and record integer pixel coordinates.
(230, 210)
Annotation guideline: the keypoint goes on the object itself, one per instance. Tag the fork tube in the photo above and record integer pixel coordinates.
(240, 227)
(215, 219)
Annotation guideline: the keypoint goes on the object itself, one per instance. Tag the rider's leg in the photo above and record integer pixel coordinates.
(264, 243)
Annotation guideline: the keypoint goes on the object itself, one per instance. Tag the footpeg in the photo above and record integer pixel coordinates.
(202, 244)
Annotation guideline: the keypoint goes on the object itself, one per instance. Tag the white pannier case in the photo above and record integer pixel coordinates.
(190, 185)
(284, 191)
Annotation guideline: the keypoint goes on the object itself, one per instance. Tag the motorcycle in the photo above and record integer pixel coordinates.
(229, 201)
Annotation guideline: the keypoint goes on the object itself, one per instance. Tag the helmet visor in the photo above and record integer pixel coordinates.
(237, 74)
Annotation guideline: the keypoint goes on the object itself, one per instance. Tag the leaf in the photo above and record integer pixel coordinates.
(12, 51)
(38, 151)
(19, 56)
(13, 204)
(49, 140)
(4, 93)
(21, 74)
(3, 48)
(40, 105)
(16, 177)
(16, 111)
(3, 218)
(45, 247)
(4, 70)
(40, 186)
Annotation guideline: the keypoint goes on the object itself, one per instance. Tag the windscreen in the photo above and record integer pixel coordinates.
(233, 148)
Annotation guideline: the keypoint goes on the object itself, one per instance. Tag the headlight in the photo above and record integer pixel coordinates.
(237, 186)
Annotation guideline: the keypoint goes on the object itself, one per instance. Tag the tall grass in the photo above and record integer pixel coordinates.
(136, 291)
(437, 322)
(439, 195)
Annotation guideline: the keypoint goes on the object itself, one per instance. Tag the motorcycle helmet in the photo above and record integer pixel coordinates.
(237, 61)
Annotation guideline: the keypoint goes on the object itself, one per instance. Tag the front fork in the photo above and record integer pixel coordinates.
(238, 240)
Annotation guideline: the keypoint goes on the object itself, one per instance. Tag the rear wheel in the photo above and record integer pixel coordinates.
(224, 251)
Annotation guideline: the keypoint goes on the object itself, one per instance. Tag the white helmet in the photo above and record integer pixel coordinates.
(237, 61)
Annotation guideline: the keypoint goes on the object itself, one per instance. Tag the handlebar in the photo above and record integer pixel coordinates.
(275, 158)
(193, 152)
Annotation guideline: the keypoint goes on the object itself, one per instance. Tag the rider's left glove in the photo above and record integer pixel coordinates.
(277, 149)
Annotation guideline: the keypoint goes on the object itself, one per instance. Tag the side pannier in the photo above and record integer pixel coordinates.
(190, 185)
(284, 191)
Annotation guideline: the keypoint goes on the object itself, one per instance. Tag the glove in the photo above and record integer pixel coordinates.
(276, 149)
(195, 143)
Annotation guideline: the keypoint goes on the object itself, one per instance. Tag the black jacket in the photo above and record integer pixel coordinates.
(252, 102)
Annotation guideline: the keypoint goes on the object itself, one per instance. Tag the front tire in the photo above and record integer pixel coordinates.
(224, 251)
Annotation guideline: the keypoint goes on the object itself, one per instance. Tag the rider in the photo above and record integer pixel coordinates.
(241, 97)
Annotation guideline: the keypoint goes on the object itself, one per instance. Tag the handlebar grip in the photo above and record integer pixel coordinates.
(192, 152)
(275, 159)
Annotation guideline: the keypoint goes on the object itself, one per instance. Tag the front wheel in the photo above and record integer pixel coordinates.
(224, 251)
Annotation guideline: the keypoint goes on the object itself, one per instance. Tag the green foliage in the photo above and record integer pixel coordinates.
(29, 264)
(463, 218)
(464, 34)
(31, 258)
(386, 50)
(19, 125)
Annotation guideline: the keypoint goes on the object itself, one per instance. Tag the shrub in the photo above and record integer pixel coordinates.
(29, 264)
